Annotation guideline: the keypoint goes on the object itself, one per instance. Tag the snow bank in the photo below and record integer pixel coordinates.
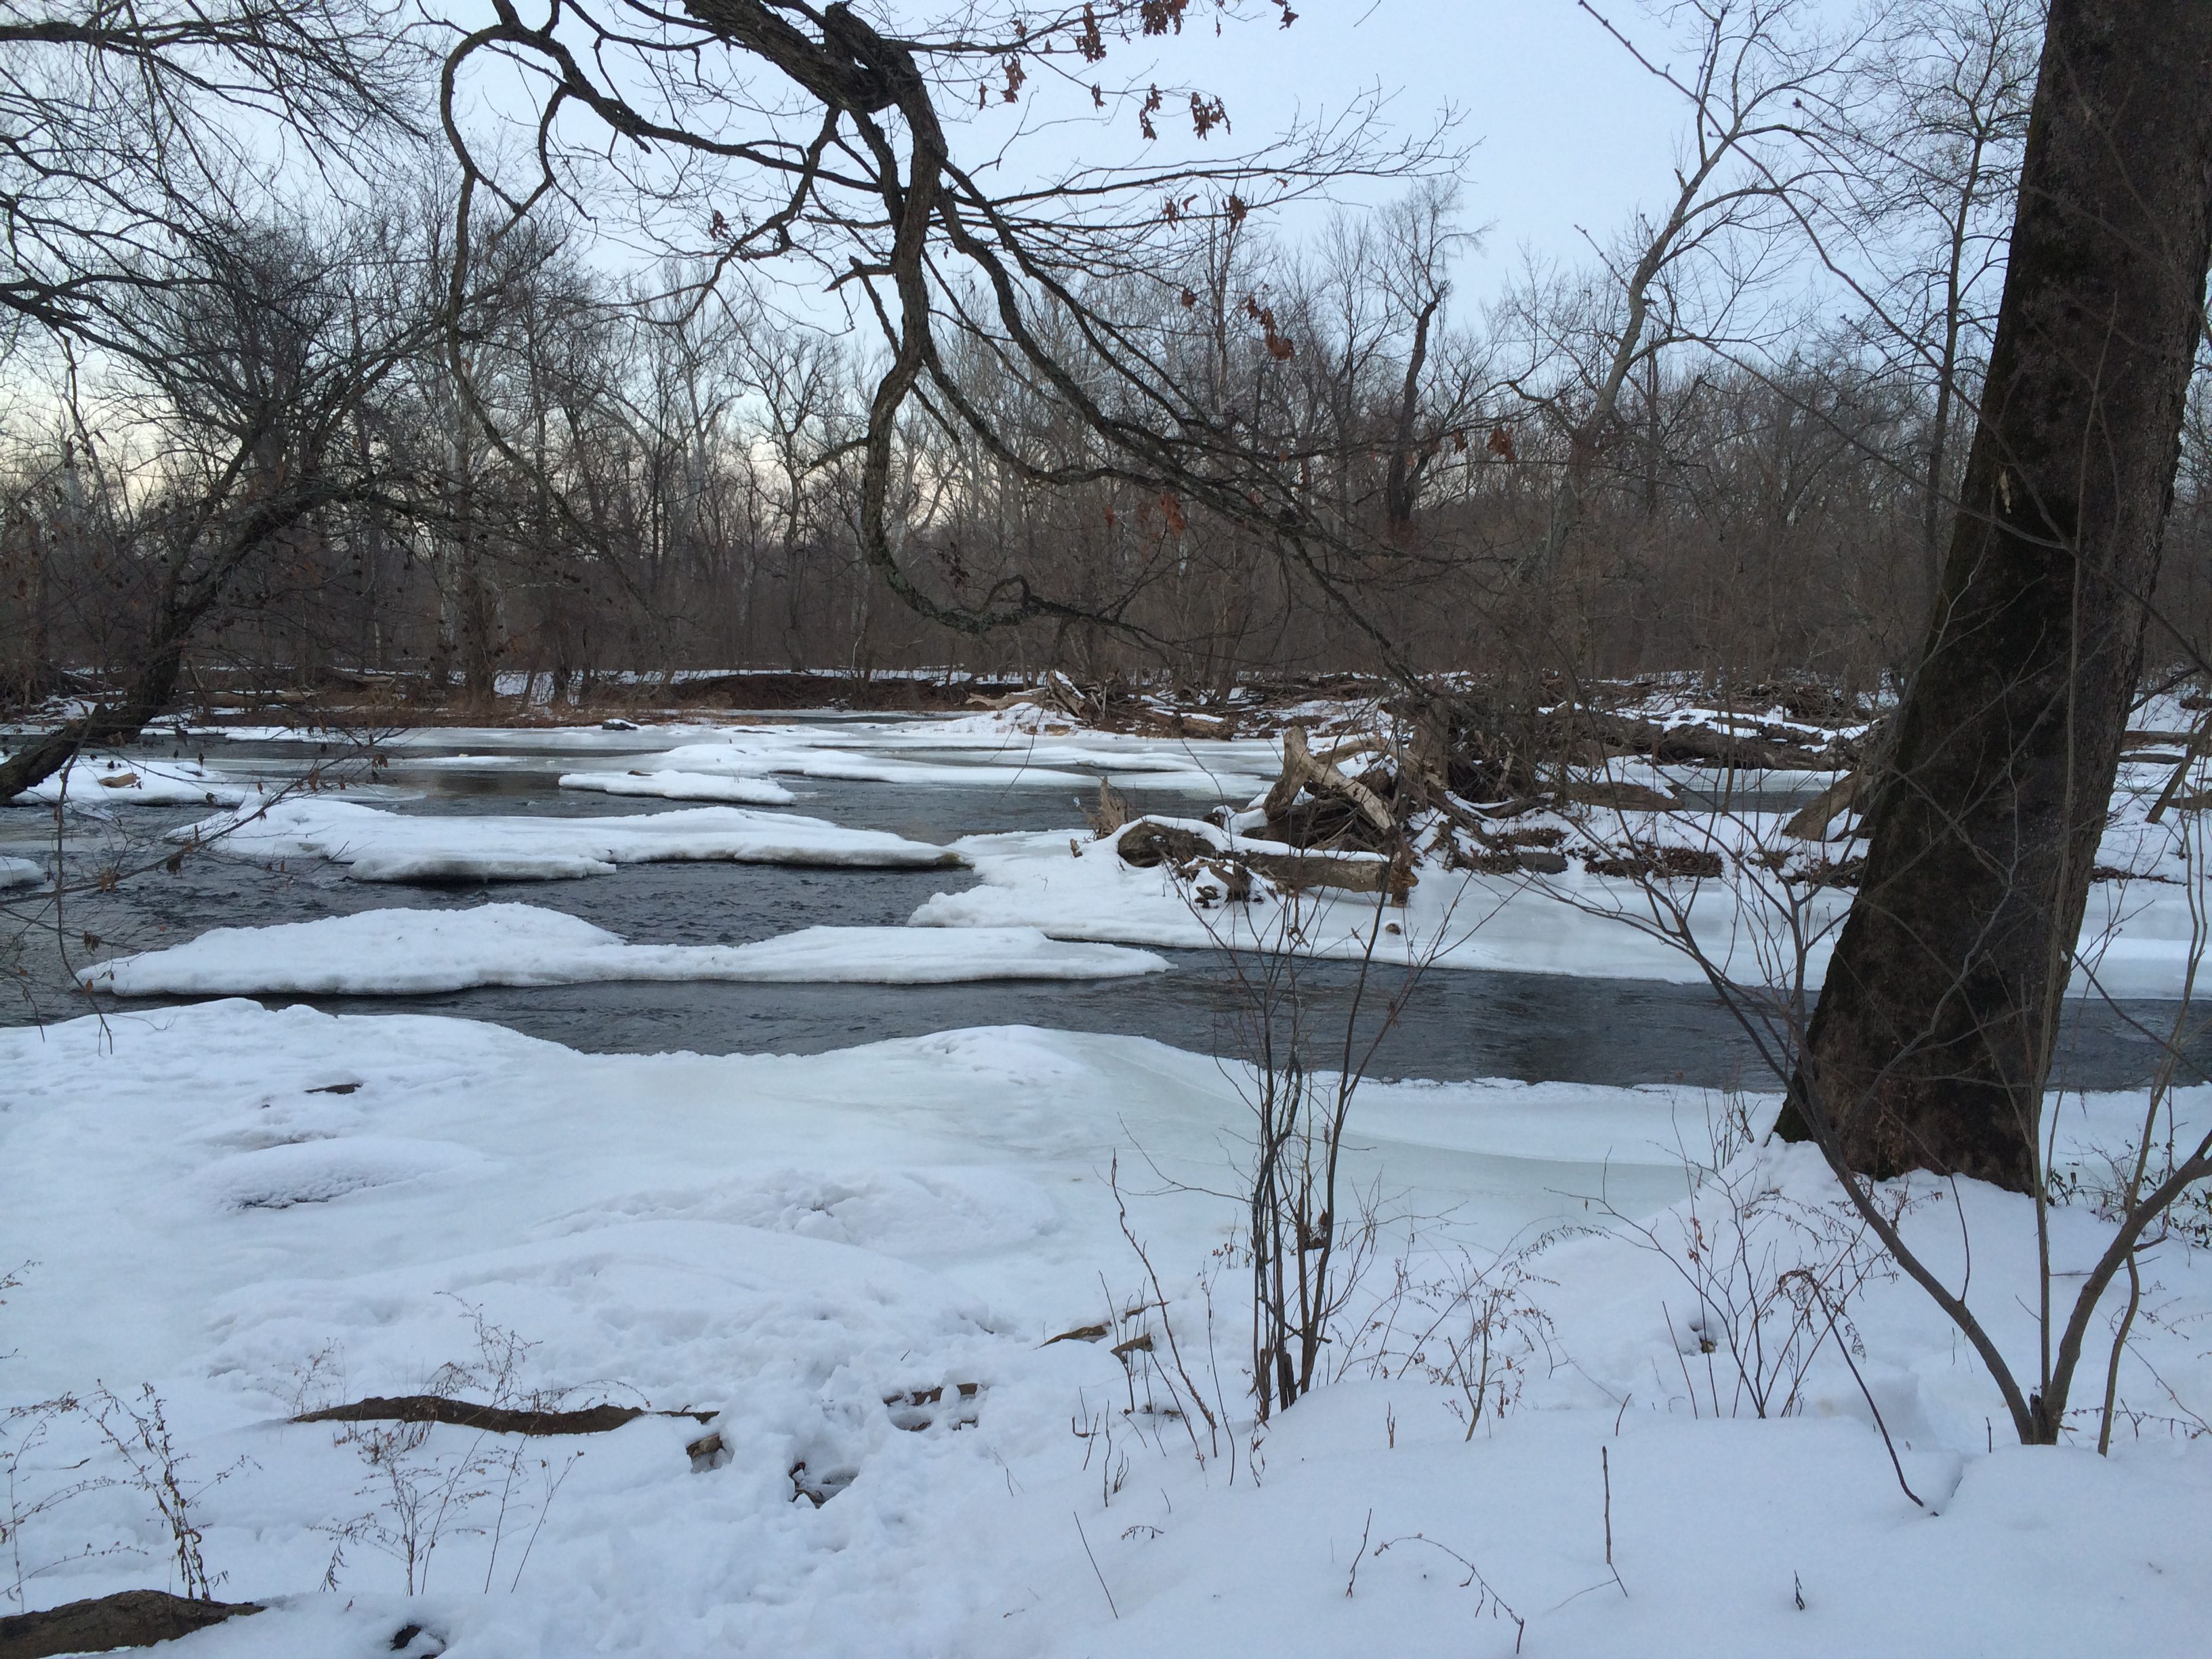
(256, 1211)
(111, 780)
(382, 846)
(1573, 923)
(400, 952)
(2136, 934)
(682, 785)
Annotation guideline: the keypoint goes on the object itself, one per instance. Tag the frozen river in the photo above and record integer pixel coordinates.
(1456, 1024)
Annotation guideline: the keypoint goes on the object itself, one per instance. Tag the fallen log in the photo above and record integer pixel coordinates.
(1761, 748)
(1303, 770)
(1635, 863)
(1810, 822)
(128, 1618)
(2199, 743)
(1148, 843)
(496, 1420)
(1620, 797)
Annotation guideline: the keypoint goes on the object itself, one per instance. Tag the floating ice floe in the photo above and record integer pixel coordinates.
(110, 781)
(670, 785)
(402, 952)
(21, 872)
(968, 752)
(381, 845)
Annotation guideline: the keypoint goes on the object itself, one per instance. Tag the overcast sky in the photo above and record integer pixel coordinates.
(1566, 130)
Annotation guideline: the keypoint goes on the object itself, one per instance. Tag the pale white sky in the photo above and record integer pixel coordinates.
(1565, 129)
(1568, 130)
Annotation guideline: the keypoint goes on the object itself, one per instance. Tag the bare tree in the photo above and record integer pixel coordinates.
(249, 376)
(1916, 209)
(131, 136)
(831, 137)
(1680, 274)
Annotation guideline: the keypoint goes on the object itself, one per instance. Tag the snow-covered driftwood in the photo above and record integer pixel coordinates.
(1183, 844)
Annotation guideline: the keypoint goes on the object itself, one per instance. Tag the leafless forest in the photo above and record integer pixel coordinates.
(1727, 442)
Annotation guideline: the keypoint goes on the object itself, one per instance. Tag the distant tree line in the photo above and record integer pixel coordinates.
(307, 436)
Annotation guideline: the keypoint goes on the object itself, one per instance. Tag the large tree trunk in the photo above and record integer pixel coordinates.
(1932, 1039)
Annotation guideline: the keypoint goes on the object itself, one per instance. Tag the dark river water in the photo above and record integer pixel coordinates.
(1453, 1024)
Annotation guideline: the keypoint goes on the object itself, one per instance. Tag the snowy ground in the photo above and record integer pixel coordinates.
(297, 1208)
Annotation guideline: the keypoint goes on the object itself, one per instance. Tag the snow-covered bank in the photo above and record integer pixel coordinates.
(2138, 932)
(403, 952)
(382, 846)
(256, 1211)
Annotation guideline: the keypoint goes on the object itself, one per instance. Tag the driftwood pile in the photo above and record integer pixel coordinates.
(1326, 825)
(1346, 814)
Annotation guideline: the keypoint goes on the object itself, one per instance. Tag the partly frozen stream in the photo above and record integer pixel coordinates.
(1461, 1024)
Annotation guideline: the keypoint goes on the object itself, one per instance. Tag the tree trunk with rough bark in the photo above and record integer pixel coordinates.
(1931, 1043)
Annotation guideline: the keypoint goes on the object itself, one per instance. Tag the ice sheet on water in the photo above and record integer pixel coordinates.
(21, 872)
(110, 781)
(398, 847)
(977, 750)
(847, 757)
(440, 869)
(1078, 889)
(406, 952)
(673, 784)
